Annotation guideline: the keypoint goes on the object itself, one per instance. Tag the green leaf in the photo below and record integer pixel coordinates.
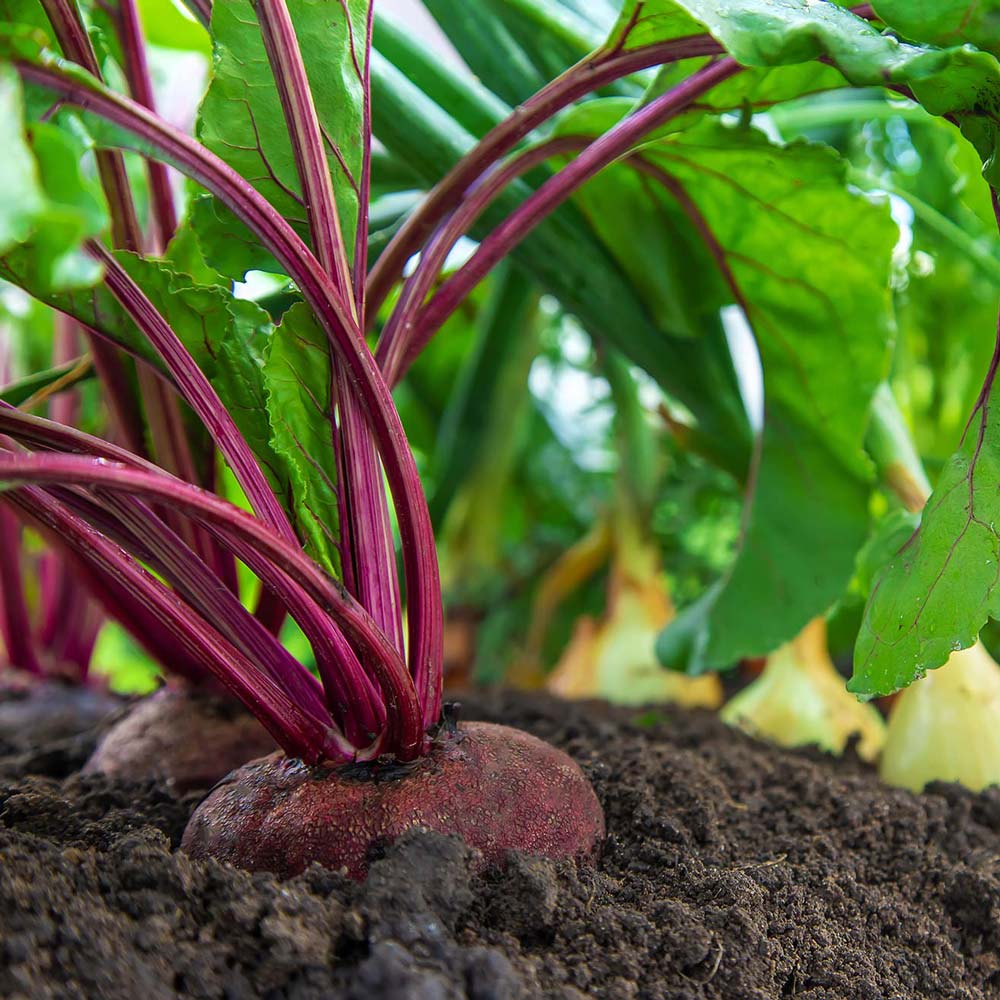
(957, 81)
(944, 22)
(646, 22)
(20, 390)
(75, 211)
(299, 410)
(778, 32)
(939, 590)
(241, 120)
(20, 194)
(819, 310)
(650, 238)
(167, 25)
(890, 534)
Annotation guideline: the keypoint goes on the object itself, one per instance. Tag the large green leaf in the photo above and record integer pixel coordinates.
(945, 22)
(299, 409)
(241, 119)
(654, 243)
(939, 590)
(809, 262)
(958, 81)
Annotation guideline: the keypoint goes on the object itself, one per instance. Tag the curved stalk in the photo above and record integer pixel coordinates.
(140, 84)
(419, 556)
(261, 549)
(366, 532)
(15, 622)
(587, 75)
(335, 657)
(557, 189)
(299, 733)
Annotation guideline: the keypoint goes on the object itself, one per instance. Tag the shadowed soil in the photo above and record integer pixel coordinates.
(731, 870)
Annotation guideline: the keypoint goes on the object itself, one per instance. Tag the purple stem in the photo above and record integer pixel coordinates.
(302, 123)
(167, 425)
(197, 390)
(334, 654)
(298, 733)
(15, 623)
(84, 621)
(595, 71)
(613, 144)
(343, 692)
(364, 191)
(61, 599)
(266, 553)
(397, 347)
(419, 556)
(366, 533)
(122, 604)
(196, 582)
(108, 362)
(140, 84)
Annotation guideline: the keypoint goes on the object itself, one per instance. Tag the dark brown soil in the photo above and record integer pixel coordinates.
(731, 870)
(38, 710)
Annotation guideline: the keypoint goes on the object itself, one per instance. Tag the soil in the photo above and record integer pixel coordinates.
(38, 710)
(732, 870)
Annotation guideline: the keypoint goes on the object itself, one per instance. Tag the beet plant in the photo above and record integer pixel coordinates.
(300, 407)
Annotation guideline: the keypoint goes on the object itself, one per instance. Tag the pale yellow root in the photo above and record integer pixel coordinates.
(944, 727)
(801, 700)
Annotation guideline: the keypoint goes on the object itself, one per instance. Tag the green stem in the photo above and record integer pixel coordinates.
(892, 450)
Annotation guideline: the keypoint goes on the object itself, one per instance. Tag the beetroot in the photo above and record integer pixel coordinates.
(498, 788)
(186, 737)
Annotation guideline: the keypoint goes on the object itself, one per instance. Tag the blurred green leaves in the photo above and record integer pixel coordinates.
(47, 206)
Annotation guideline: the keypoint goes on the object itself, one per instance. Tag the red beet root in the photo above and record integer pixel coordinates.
(188, 738)
(497, 788)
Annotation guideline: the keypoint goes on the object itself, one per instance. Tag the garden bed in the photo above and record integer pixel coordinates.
(731, 869)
